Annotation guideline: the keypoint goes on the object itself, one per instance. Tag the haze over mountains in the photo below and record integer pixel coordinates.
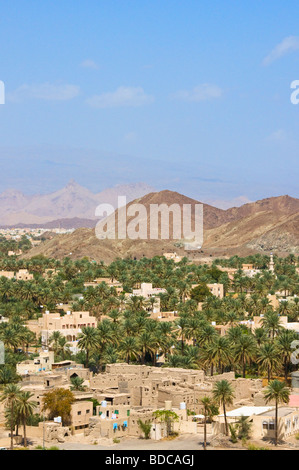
(64, 207)
(263, 226)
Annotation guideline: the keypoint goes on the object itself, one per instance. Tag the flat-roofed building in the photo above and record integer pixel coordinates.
(216, 290)
(42, 363)
(69, 325)
(81, 413)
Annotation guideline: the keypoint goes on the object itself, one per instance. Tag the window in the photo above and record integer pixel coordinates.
(271, 425)
(79, 412)
(265, 425)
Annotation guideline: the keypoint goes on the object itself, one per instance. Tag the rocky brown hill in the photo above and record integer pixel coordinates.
(268, 225)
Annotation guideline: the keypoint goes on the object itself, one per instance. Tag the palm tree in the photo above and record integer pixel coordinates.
(223, 394)
(8, 375)
(206, 334)
(145, 428)
(136, 303)
(260, 336)
(77, 384)
(25, 409)
(88, 340)
(168, 417)
(182, 325)
(10, 397)
(63, 348)
(209, 410)
(269, 358)
(9, 338)
(245, 350)
(284, 342)
(110, 355)
(244, 427)
(279, 392)
(218, 353)
(54, 341)
(147, 343)
(271, 323)
(129, 347)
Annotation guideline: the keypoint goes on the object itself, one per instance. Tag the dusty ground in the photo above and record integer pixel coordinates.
(185, 442)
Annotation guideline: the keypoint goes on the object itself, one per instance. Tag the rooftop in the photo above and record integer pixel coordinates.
(283, 411)
(248, 411)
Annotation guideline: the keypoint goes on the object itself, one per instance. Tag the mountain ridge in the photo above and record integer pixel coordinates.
(72, 201)
(270, 224)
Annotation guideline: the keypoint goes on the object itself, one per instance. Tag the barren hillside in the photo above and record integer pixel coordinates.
(263, 226)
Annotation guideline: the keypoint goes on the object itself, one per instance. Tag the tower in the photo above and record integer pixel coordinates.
(271, 265)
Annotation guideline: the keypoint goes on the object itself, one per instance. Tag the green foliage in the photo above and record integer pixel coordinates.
(254, 447)
(49, 448)
(244, 428)
(168, 417)
(200, 293)
(240, 430)
(95, 403)
(58, 403)
(34, 420)
(77, 384)
(233, 433)
(145, 428)
(126, 332)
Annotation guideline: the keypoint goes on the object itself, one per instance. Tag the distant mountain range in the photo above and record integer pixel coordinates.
(263, 226)
(71, 207)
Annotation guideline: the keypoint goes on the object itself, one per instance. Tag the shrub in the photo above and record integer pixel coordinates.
(254, 447)
(233, 433)
(145, 428)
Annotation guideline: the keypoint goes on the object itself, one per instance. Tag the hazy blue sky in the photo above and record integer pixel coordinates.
(189, 95)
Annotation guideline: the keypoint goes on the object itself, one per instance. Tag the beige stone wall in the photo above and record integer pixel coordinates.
(114, 398)
(103, 428)
(80, 372)
(146, 415)
(52, 432)
(24, 275)
(150, 387)
(81, 413)
(216, 290)
(7, 274)
(177, 396)
(287, 426)
(102, 381)
(34, 326)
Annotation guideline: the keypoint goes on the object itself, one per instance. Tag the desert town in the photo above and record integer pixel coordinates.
(220, 367)
(149, 228)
